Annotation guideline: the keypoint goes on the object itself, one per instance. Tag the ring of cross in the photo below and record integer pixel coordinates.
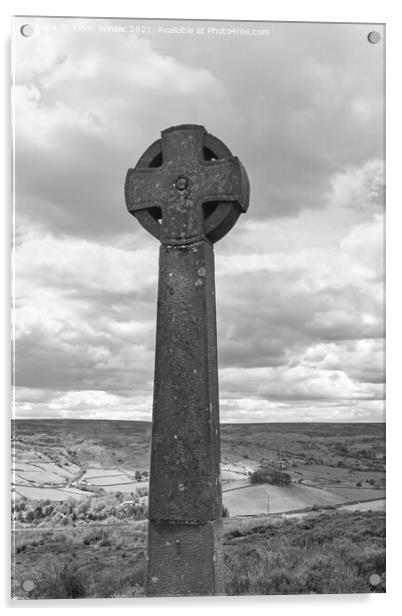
(150, 189)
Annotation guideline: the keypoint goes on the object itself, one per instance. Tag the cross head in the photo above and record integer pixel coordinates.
(187, 187)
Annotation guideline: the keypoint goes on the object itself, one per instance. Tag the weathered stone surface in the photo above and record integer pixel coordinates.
(184, 482)
(188, 191)
(191, 562)
(176, 177)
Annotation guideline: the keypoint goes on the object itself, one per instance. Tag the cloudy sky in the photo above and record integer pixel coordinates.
(299, 278)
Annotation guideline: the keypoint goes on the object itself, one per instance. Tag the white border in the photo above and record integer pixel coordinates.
(384, 11)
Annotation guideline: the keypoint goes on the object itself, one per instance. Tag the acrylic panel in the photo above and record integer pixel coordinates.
(215, 426)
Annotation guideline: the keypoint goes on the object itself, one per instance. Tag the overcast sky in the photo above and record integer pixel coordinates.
(299, 278)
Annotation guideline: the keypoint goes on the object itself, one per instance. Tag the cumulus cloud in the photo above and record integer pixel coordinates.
(82, 404)
(299, 279)
(85, 314)
(297, 102)
(81, 122)
(300, 315)
(362, 360)
(88, 107)
(360, 187)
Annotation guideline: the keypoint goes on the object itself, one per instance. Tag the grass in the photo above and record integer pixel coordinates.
(57, 580)
(254, 499)
(333, 552)
(329, 553)
(81, 562)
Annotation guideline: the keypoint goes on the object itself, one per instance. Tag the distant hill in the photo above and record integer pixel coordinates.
(126, 444)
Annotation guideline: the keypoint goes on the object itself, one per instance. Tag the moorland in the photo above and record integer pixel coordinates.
(79, 503)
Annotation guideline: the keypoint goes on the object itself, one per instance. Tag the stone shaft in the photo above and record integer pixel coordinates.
(184, 559)
(185, 490)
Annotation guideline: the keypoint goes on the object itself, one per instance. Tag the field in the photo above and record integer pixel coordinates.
(53, 459)
(56, 459)
(52, 494)
(329, 464)
(73, 478)
(257, 499)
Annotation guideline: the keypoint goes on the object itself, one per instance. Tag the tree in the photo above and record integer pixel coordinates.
(48, 510)
(270, 475)
(29, 516)
(38, 512)
(82, 509)
(20, 505)
(57, 518)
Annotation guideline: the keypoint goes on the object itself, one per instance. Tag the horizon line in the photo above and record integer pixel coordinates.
(221, 422)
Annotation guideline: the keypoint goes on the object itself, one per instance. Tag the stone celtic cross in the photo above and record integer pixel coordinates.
(187, 190)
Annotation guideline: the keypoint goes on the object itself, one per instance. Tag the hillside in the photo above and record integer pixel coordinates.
(127, 443)
(328, 464)
(334, 552)
(80, 492)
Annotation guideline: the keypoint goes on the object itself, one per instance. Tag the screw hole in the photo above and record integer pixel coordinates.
(26, 30)
(374, 37)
